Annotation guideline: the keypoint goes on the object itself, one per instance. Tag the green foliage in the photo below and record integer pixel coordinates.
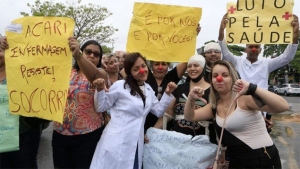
(88, 18)
(106, 49)
(276, 50)
(236, 50)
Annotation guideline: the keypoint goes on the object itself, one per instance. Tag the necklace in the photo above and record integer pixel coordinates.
(226, 106)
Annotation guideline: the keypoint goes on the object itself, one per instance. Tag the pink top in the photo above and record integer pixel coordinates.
(80, 116)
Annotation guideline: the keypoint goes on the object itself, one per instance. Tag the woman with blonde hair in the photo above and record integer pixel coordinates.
(238, 104)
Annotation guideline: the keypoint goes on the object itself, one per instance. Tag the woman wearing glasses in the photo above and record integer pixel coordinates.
(75, 140)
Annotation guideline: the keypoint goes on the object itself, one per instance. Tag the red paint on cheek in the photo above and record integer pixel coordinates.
(219, 78)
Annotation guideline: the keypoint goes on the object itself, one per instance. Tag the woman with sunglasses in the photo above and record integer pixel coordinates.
(75, 140)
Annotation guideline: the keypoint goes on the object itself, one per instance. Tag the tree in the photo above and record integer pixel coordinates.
(293, 67)
(88, 18)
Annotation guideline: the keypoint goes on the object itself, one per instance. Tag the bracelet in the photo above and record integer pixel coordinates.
(78, 57)
(251, 89)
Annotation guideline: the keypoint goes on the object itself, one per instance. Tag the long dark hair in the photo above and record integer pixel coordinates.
(83, 46)
(132, 82)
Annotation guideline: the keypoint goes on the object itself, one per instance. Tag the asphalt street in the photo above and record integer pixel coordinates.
(285, 134)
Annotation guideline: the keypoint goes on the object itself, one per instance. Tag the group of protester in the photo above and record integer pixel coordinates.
(117, 97)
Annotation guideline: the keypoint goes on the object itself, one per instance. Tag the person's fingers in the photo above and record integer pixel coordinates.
(146, 140)
(105, 88)
(202, 99)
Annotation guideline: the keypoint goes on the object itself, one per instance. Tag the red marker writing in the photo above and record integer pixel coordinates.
(219, 78)
(142, 71)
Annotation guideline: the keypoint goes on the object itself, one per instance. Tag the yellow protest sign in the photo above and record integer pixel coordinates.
(263, 21)
(163, 32)
(38, 66)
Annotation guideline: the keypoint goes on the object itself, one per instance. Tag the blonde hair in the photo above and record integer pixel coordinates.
(214, 96)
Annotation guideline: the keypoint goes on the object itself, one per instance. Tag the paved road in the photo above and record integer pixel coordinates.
(286, 135)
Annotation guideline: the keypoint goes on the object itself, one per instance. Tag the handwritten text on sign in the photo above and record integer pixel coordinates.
(263, 21)
(9, 124)
(38, 65)
(161, 32)
(170, 149)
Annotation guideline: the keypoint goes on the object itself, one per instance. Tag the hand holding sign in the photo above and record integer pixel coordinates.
(3, 43)
(295, 24)
(74, 46)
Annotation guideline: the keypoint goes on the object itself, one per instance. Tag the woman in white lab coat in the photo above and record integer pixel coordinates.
(129, 101)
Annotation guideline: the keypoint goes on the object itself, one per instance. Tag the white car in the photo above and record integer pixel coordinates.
(288, 89)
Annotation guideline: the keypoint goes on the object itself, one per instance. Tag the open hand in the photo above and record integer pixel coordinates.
(100, 84)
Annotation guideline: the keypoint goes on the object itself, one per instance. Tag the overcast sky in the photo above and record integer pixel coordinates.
(212, 12)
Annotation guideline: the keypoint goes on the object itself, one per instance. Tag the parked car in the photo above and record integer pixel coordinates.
(272, 88)
(288, 89)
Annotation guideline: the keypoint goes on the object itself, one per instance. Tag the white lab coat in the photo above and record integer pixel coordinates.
(125, 130)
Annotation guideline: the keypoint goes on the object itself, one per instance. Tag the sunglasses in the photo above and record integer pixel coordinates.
(89, 52)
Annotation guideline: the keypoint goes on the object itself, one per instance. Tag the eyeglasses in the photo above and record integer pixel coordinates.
(211, 51)
(89, 52)
(159, 90)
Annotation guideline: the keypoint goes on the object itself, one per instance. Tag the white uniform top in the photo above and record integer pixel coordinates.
(125, 130)
(258, 72)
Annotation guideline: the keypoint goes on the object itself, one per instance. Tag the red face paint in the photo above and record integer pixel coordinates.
(160, 67)
(253, 50)
(142, 71)
(219, 78)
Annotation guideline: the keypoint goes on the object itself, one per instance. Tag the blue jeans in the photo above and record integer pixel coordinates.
(74, 151)
(26, 157)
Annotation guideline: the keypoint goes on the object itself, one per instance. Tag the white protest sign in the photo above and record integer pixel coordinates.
(170, 149)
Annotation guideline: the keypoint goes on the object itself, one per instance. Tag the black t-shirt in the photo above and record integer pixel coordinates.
(187, 127)
(171, 76)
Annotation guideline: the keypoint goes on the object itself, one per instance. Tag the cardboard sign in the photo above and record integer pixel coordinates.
(260, 22)
(163, 32)
(38, 66)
